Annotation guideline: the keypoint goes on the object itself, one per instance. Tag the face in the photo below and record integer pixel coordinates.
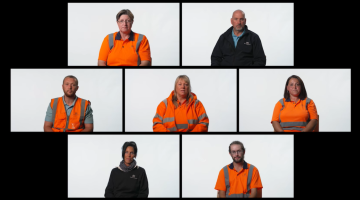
(236, 153)
(129, 155)
(124, 23)
(70, 87)
(294, 87)
(182, 88)
(238, 21)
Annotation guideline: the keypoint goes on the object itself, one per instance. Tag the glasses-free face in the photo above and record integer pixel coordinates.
(294, 87)
(238, 21)
(129, 155)
(182, 88)
(70, 87)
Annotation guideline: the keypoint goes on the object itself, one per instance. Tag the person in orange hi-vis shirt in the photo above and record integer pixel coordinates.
(181, 111)
(69, 113)
(125, 48)
(296, 112)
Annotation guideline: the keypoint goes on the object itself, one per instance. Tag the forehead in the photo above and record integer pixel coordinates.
(235, 147)
(238, 14)
(294, 80)
(68, 79)
(130, 148)
(124, 16)
(181, 80)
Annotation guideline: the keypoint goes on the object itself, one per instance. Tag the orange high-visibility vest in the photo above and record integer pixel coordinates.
(74, 122)
(196, 117)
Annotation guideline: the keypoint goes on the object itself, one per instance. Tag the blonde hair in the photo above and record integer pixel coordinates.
(189, 96)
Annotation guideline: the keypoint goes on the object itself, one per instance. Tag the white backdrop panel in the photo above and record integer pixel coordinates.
(202, 25)
(92, 157)
(89, 23)
(261, 89)
(272, 155)
(146, 88)
(33, 89)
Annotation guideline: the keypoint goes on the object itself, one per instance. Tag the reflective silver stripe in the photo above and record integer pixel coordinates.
(137, 47)
(156, 123)
(202, 116)
(168, 119)
(293, 128)
(111, 40)
(206, 124)
(54, 111)
(307, 102)
(181, 126)
(158, 116)
(173, 129)
(239, 195)
(196, 101)
(285, 124)
(165, 102)
(249, 179)
(227, 183)
(82, 112)
(282, 103)
(193, 121)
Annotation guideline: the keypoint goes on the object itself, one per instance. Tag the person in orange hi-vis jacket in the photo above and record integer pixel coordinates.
(181, 111)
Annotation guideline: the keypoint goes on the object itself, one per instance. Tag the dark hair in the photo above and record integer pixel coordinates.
(302, 94)
(127, 144)
(237, 142)
(71, 76)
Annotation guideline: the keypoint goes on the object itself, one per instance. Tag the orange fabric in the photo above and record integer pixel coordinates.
(181, 115)
(123, 52)
(238, 180)
(294, 112)
(74, 118)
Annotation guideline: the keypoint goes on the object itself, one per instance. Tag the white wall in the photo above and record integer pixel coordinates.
(89, 23)
(92, 157)
(146, 88)
(261, 89)
(203, 156)
(202, 25)
(33, 89)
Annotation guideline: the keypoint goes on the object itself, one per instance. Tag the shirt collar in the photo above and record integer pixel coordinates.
(72, 103)
(118, 36)
(231, 166)
(288, 99)
(233, 34)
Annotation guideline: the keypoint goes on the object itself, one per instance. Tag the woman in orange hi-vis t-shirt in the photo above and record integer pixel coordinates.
(125, 48)
(295, 112)
(181, 111)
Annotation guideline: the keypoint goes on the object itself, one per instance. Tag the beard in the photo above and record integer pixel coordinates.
(69, 95)
(239, 29)
(239, 160)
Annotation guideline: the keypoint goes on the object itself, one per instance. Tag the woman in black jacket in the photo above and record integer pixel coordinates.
(128, 180)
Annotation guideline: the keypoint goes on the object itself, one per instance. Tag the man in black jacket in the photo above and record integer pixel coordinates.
(238, 46)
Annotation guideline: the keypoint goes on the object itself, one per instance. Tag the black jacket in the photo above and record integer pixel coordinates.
(248, 52)
(132, 184)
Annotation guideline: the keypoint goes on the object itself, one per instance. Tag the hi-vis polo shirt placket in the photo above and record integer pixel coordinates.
(294, 116)
(238, 181)
(123, 53)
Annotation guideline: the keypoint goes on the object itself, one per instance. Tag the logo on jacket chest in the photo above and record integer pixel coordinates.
(247, 43)
(133, 176)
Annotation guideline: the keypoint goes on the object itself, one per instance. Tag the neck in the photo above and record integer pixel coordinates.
(238, 165)
(181, 99)
(125, 36)
(69, 100)
(293, 98)
(237, 33)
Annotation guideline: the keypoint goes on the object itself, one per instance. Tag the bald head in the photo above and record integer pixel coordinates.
(237, 12)
(238, 21)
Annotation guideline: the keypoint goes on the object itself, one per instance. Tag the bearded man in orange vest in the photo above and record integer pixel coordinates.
(69, 113)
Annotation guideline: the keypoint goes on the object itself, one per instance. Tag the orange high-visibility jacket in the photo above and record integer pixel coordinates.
(74, 122)
(164, 120)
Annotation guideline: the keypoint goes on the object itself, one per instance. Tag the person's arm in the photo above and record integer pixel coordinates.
(158, 125)
(222, 194)
(145, 63)
(310, 126)
(88, 128)
(277, 127)
(203, 123)
(109, 190)
(144, 187)
(101, 63)
(217, 56)
(259, 193)
(258, 52)
(253, 193)
(47, 126)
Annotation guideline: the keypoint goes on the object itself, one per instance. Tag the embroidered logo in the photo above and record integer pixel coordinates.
(247, 43)
(133, 176)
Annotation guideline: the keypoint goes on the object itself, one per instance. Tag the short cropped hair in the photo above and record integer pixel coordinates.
(129, 144)
(71, 76)
(237, 142)
(125, 12)
(240, 11)
(302, 94)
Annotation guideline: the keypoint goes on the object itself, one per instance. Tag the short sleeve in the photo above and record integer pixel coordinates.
(105, 49)
(48, 115)
(276, 112)
(89, 115)
(255, 179)
(220, 183)
(144, 49)
(312, 110)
